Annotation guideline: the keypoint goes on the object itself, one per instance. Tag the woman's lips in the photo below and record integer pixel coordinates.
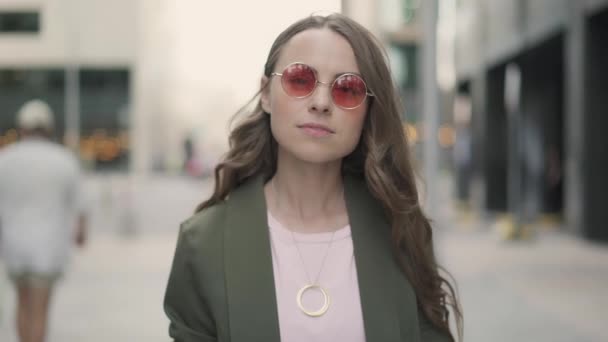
(316, 130)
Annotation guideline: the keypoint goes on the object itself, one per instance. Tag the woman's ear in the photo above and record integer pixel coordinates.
(265, 93)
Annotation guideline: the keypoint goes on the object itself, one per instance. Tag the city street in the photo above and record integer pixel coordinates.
(550, 288)
(503, 104)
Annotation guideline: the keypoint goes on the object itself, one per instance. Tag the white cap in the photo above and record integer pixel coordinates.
(35, 114)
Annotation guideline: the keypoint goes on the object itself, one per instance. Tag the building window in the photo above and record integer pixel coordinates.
(409, 10)
(17, 86)
(104, 118)
(104, 110)
(19, 22)
(404, 57)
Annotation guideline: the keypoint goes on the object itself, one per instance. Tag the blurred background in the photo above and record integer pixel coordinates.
(505, 106)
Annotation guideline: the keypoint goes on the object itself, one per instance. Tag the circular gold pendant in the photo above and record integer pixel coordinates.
(326, 301)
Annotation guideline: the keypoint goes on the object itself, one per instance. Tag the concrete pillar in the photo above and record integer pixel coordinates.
(365, 12)
(495, 151)
(595, 125)
(72, 79)
(430, 93)
(574, 118)
(512, 98)
(478, 124)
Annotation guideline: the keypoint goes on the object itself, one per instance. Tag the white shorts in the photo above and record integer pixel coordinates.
(36, 280)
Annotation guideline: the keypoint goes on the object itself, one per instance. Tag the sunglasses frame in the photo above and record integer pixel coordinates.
(330, 85)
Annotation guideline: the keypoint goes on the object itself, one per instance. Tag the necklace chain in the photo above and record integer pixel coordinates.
(276, 198)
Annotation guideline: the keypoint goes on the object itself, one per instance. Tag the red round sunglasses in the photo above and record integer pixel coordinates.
(299, 80)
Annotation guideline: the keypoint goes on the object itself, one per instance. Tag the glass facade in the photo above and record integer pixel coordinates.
(19, 22)
(104, 110)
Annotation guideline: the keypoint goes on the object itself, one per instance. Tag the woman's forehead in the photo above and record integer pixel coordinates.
(323, 49)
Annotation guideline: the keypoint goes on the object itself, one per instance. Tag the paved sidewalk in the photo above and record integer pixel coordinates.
(552, 288)
(113, 293)
(114, 288)
(549, 289)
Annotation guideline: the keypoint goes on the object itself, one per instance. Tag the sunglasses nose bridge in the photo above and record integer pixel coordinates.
(321, 100)
(326, 84)
(317, 82)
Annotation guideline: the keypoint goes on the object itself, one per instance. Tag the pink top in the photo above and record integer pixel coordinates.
(343, 321)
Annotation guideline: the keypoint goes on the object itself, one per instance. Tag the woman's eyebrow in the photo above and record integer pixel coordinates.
(346, 72)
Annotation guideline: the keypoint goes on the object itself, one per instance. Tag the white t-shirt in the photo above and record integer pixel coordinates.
(343, 321)
(39, 200)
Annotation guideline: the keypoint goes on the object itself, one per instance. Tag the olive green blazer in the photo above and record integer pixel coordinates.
(221, 285)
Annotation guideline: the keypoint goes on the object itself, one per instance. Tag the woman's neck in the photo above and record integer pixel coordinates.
(307, 197)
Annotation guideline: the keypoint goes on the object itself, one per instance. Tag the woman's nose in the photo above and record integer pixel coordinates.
(320, 101)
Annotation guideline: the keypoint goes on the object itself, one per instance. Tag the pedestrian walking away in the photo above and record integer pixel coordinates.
(41, 216)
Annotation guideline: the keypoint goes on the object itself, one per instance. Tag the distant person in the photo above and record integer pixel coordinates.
(534, 170)
(188, 145)
(192, 164)
(314, 230)
(41, 215)
(462, 162)
(554, 177)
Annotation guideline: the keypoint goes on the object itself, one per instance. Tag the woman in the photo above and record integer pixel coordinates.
(314, 230)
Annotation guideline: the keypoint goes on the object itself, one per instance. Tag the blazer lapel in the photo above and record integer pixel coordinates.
(379, 285)
(252, 308)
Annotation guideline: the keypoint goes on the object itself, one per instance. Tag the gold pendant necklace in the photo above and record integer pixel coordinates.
(311, 285)
(326, 301)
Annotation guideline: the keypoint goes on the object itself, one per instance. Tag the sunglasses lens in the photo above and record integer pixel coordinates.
(298, 80)
(349, 91)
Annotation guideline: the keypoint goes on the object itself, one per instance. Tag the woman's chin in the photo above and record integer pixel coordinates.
(316, 155)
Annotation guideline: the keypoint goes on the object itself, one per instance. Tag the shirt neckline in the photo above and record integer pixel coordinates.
(285, 233)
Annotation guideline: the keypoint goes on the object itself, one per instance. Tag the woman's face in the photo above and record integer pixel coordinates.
(313, 128)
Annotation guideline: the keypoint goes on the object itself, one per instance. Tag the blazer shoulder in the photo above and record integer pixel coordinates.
(206, 225)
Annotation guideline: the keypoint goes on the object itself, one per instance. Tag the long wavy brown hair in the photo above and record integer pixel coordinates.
(382, 158)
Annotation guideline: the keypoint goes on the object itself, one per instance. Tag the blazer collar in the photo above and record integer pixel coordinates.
(252, 307)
